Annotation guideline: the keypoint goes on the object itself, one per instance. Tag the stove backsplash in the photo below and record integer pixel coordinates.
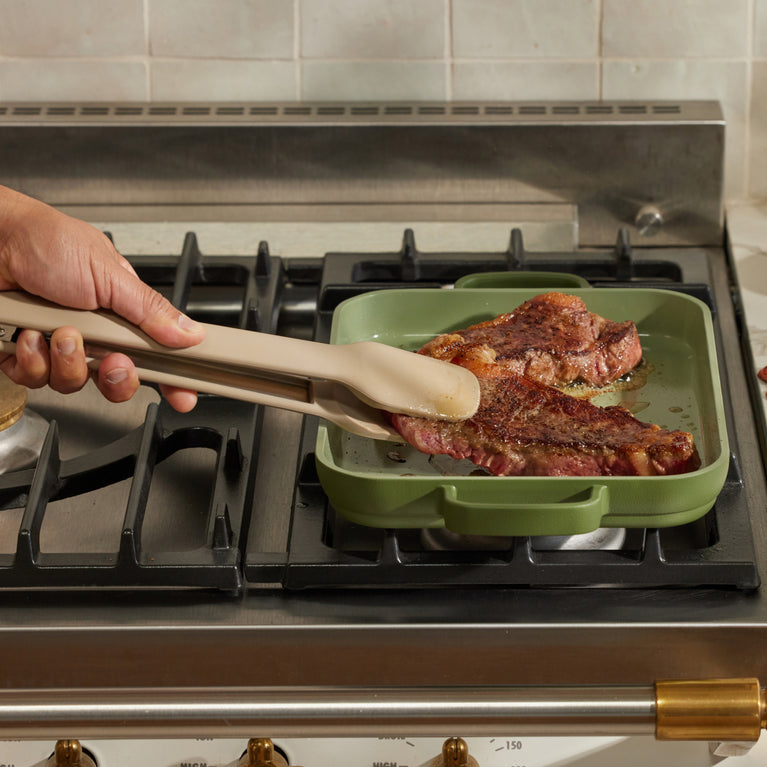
(652, 167)
(432, 50)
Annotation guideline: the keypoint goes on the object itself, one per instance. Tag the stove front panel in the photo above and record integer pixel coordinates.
(500, 751)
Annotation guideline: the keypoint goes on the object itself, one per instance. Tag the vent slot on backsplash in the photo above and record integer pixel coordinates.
(122, 160)
(321, 112)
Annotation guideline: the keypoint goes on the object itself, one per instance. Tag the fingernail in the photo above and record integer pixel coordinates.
(187, 323)
(36, 343)
(116, 375)
(66, 346)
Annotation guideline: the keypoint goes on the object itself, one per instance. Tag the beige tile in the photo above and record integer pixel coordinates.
(197, 80)
(692, 79)
(38, 28)
(249, 29)
(377, 80)
(757, 159)
(760, 28)
(72, 80)
(525, 80)
(675, 28)
(525, 28)
(371, 29)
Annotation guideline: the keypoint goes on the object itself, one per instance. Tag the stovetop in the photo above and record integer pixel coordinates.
(215, 545)
(242, 579)
(186, 500)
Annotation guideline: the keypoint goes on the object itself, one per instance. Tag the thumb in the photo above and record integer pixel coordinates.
(154, 314)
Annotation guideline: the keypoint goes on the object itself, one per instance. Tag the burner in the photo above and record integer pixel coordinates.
(13, 399)
(22, 431)
(604, 538)
(323, 550)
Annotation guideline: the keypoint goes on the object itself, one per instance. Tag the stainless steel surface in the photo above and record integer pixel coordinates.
(331, 711)
(264, 159)
(200, 647)
(270, 637)
(499, 750)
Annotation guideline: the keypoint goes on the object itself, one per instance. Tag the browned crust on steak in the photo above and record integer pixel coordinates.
(526, 428)
(552, 339)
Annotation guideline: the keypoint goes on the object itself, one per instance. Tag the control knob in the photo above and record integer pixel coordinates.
(261, 753)
(69, 753)
(455, 753)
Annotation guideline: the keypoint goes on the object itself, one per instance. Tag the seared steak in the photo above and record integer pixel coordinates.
(552, 339)
(526, 428)
(523, 425)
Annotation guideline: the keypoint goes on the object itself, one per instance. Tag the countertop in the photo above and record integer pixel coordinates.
(747, 227)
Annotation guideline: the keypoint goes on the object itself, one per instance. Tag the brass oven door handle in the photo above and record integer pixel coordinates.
(710, 709)
(723, 710)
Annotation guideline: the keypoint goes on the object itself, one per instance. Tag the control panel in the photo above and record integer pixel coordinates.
(501, 751)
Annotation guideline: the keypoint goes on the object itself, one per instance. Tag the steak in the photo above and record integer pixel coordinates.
(525, 428)
(552, 339)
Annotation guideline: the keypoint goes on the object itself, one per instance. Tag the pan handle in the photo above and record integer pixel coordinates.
(514, 279)
(580, 513)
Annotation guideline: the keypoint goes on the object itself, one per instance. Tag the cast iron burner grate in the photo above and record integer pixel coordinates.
(240, 292)
(346, 274)
(325, 550)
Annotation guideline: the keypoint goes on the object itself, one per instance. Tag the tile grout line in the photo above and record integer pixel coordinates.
(449, 85)
(298, 62)
(147, 53)
(747, 109)
(600, 52)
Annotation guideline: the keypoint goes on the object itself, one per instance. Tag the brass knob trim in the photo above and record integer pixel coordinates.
(261, 753)
(13, 399)
(712, 709)
(69, 753)
(455, 753)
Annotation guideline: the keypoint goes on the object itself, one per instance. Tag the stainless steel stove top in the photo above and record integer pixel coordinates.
(264, 624)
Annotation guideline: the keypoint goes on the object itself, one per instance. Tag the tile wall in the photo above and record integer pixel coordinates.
(245, 50)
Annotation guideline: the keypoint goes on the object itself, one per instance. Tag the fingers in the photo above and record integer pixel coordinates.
(182, 400)
(116, 378)
(158, 318)
(68, 371)
(62, 365)
(154, 314)
(30, 366)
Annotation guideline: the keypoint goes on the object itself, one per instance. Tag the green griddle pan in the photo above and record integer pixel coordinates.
(392, 485)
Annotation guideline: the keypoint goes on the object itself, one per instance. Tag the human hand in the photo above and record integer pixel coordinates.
(69, 262)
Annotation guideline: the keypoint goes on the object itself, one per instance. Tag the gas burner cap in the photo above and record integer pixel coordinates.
(13, 399)
(22, 431)
(604, 538)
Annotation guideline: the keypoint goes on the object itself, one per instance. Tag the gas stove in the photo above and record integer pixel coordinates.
(170, 576)
(167, 531)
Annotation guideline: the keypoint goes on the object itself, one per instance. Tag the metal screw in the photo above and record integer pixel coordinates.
(649, 220)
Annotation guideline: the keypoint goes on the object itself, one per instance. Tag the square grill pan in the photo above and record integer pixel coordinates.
(387, 485)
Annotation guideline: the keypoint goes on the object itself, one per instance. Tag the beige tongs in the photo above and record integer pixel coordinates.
(347, 384)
